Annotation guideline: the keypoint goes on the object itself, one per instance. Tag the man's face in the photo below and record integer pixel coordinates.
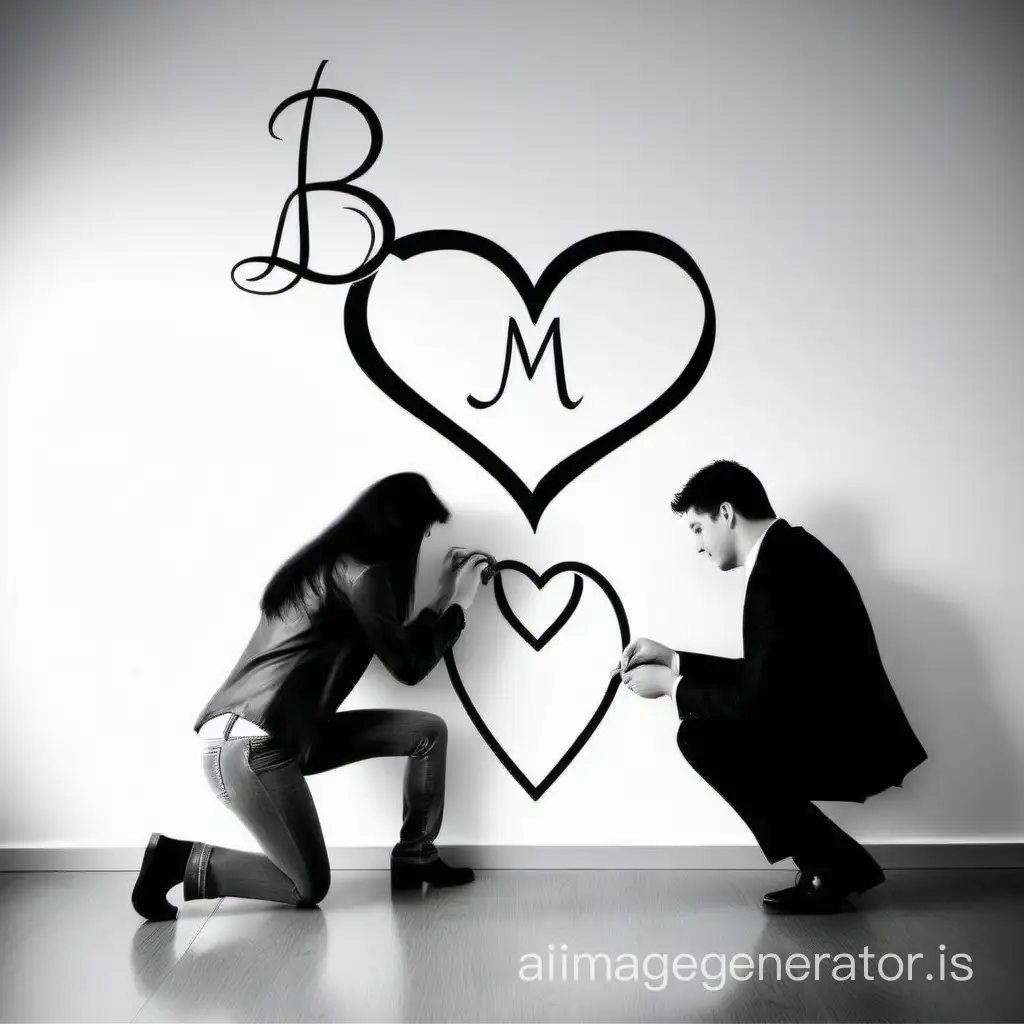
(715, 538)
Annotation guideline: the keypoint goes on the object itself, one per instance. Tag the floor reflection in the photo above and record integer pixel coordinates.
(257, 961)
(455, 954)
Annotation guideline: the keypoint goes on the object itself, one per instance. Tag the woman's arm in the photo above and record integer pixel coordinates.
(407, 650)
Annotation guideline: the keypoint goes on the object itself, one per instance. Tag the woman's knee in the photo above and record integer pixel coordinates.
(433, 728)
(313, 886)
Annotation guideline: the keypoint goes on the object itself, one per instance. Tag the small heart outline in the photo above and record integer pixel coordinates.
(537, 643)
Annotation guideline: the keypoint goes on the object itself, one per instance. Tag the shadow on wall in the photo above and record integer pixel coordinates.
(968, 786)
(477, 530)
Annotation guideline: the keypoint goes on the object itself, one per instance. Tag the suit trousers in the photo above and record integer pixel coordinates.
(262, 781)
(768, 795)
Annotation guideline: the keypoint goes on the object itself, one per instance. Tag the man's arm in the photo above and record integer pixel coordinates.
(706, 683)
(693, 679)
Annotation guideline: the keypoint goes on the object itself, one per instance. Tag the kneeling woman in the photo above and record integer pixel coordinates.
(328, 610)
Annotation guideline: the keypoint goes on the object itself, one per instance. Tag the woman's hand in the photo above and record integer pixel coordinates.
(459, 579)
(468, 580)
(446, 580)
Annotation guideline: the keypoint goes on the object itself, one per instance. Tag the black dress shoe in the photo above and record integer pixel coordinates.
(824, 893)
(436, 872)
(163, 866)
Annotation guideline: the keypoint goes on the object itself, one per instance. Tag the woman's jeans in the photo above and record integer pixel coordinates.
(263, 782)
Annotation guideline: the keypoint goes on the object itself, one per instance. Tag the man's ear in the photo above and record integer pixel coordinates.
(726, 511)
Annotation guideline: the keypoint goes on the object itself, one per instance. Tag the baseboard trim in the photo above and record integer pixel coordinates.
(554, 858)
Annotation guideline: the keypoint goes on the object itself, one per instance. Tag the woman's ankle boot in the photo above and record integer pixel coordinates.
(163, 866)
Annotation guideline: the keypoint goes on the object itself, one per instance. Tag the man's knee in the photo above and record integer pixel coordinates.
(712, 748)
(700, 737)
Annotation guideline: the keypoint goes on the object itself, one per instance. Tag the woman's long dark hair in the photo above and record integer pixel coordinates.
(383, 526)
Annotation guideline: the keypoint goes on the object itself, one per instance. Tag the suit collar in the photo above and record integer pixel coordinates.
(752, 554)
(773, 540)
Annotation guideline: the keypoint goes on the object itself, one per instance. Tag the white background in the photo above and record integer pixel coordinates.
(849, 180)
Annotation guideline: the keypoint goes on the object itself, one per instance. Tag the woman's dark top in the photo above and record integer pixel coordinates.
(299, 666)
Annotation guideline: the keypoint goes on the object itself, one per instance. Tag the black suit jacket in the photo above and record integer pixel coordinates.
(811, 684)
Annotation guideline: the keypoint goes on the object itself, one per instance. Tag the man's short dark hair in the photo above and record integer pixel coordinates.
(724, 480)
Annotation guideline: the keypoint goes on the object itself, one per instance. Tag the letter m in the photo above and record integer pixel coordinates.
(554, 338)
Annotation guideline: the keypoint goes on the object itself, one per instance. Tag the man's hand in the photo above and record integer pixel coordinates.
(650, 680)
(645, 652)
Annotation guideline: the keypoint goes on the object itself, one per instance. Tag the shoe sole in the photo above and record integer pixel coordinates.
(403, 878)
(401, 884)
(840, 904)
(835, 908)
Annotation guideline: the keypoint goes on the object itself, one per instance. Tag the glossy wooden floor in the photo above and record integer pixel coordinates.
(72, 949)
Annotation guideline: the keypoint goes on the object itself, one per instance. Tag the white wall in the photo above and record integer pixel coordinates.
(849, 180)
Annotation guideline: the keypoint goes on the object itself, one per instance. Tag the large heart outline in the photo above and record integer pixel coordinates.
(534, 501)
(538, 790)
